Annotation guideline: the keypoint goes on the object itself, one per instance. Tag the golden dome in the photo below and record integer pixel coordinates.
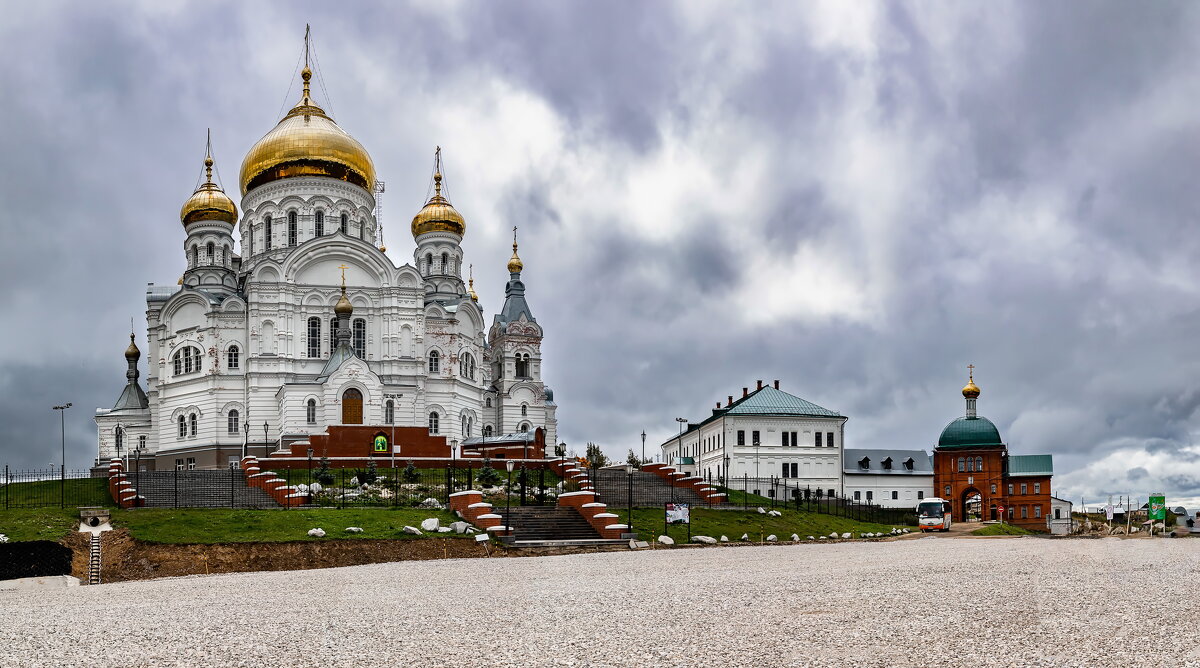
(307, 142)
(209, 202)
(514, 263)
(971, 390)
(438, 215)
(132, 352)
(343, 305)
(471, 286)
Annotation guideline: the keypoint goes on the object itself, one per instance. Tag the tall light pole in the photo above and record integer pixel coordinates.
(266, 442)
(681, 421)
(643, 460)
(392, 444)
(62, 422)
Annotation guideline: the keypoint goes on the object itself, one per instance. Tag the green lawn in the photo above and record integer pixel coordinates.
(164, 525)
(1002, 530)
(47, 493)
(648, 524)
(38, 523)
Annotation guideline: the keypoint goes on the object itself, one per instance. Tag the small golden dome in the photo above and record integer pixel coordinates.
(971, 390)
(180, 281)
(209, 202)
(383, 249)
(514, 263)
(343, 305)
(307, 142)
(132, 352)
(471, 290)
(438, 215)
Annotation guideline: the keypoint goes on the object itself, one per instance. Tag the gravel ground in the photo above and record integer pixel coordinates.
(931, 601)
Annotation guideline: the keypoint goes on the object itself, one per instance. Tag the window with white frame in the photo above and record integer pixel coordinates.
(310, 411)
(192, 423)
(389, 412)
(434, 362)
(314, 337)
(360, 338)
(233, 357)
(433, 423)
(182, 426)
(231, 422)
(291, 228)
(320, 224)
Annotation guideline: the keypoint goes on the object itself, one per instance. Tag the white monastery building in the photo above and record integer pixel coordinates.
(766, 433)
(290, 317)
(888, 478)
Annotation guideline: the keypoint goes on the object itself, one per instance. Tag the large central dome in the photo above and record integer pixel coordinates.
(969, 432)
(307, 142)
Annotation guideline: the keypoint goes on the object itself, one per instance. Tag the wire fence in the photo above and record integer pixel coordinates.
(52, 488)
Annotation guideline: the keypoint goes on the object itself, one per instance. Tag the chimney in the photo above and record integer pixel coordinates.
(745, 392)
(718, 405)
(759, 385)
(730, 400)
(777, 384)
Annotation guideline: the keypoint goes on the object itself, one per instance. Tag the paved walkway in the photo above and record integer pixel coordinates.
(926, 602)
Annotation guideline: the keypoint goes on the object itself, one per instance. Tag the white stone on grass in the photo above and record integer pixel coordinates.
(846, 536)
(707, 540)
(666, 540)
(724, 539)
(772, 538)
(833, 535)
(317, 533)
(431, 503)
(431, 524)
(745, 536)
(444, 529)
(762, 511)
(315, 488)
(809, 538)
(459, 527)
(412, 530)
(796, 538)
(354, 530)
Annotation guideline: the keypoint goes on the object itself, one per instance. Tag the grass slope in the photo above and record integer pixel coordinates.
(1002, 530)
(78, 492)
(38, 523)
(207, 526)
(648, 524)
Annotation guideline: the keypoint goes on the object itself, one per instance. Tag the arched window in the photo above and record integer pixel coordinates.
(360, 338)
(119, 431)
(233, 360)
(522, 365)
(332, 335)
(310, 411)
(291, 228)
(352, 407)
(970, 465)
(231, 423)
(524, 410)
(433, 423)
(320, 224)
(428, 263)
(445, 263)
(345, 223)
(487, 431)
(962, 465)
(979, 463)
(487, 403)
(434, 362)
(225, 257)
(389, 412)
(212, 250)
(267, 233)
(182, 426)
(362, 230)
(177, 362)
(192, 424)
(524, 427)
(314, 337)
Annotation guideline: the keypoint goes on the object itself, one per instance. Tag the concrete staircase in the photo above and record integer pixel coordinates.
(550, 525)
(224, 488)
(649, 490)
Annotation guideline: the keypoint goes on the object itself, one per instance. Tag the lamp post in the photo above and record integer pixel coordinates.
(508, 507)
(245, 436)
(643, 459)
(62, 422)
(681, 421)
(392, 443)
(266, 442)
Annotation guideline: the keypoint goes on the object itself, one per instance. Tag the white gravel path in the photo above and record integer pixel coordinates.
(926, 602)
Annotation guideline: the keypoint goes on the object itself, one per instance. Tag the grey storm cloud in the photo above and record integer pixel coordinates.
(858, 200)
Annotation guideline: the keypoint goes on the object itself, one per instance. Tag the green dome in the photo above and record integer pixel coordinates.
(969, 432)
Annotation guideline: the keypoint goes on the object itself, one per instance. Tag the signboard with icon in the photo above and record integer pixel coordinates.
(381, 443)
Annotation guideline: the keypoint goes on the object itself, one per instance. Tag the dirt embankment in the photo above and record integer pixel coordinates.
(125, 558)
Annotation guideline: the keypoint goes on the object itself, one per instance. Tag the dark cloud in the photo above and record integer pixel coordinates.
(1012, 188)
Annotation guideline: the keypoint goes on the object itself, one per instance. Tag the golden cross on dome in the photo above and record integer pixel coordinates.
(343, 268)
(514, 237)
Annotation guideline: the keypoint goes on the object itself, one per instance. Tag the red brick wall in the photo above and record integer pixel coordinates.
(945, 472)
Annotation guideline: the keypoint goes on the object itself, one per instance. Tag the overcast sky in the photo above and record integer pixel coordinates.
(856, 199)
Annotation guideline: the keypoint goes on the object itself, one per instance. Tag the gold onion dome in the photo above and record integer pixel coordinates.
(438, 215)
(307, 142)
(343, 305)
(132, 352)
(209, 202)
(971, 390)
(514, 263)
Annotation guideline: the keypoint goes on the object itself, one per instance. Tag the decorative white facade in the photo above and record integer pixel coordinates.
(244, 352)
(798, 442)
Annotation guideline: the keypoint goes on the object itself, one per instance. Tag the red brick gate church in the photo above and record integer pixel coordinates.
(974, 471)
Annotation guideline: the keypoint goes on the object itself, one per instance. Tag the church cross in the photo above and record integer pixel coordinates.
(971, 371)
(343, 268)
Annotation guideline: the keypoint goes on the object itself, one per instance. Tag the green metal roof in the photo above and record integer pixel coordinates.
(969, 432)
(770, 401)
(1030, 465)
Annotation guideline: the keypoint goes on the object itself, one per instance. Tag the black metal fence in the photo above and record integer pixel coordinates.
(52, 489)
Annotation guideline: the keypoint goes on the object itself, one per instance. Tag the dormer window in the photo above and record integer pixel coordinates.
(887, 464)
(864, 463)
(908, 464)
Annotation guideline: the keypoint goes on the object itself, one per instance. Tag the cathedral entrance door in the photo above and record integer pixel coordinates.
(972, 504)
(352, 407)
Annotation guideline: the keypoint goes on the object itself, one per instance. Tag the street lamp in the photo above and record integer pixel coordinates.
(245, 436)
(681, 421)
(508, 507)
(392, 444)
(643, 460)
(266, 442)
(62, 421)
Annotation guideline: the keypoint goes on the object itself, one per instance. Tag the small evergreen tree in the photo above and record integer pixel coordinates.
(411, 474)
(488, 475)
(371, 474)
(633, 460)
(596, 457)
(324, 475)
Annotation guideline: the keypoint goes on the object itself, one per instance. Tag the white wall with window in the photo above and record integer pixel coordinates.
(889, 478)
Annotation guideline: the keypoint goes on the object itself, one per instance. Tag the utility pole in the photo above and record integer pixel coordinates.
(62, 421)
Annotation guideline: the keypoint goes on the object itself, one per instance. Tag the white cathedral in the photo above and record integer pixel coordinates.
(311, 325)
